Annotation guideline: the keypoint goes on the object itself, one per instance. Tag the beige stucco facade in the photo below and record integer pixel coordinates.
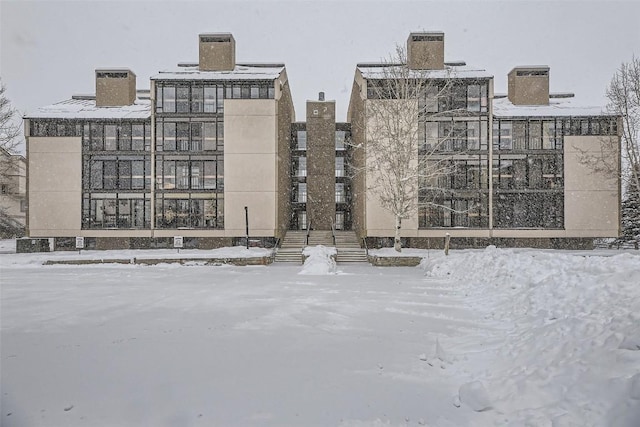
(592, 198)
(55, 186)
(251, 166)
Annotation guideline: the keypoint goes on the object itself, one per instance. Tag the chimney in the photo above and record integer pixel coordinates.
(320, 96)
(217, 52)
(115, 87)
(425, 51)
(529, 85)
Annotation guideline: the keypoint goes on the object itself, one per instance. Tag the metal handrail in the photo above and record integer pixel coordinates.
(333, 232)
(308, 232)
(366, 248)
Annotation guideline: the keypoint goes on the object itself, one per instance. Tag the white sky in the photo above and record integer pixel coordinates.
(50, 49)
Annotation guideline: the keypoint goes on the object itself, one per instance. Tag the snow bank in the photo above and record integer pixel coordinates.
(566, 335)
(319, 260)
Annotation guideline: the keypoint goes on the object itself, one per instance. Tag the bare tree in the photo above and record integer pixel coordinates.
(9, 127)
(400, 161)
(624, 101)
(11, 167)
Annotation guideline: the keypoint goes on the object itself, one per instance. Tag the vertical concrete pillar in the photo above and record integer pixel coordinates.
(321, 161)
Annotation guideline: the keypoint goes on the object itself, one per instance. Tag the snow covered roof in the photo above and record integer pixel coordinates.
(451, 70)
(253, 71)
(84, 107)
(502, 107)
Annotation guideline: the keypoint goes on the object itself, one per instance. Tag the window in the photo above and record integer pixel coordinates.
(210, 99)
(114, 211)
(300, 166)
(300, 196)
(340, 140)
(340, 167)
(116, 173)
(190, 173)
(450, 210)
(301, 138)
(195, 211)
(340, 193)
(169, 99)
(197, 99)
(182, 99)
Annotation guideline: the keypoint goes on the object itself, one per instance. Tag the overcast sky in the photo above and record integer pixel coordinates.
(50, 49)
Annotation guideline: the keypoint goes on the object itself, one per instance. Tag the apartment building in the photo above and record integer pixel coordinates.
(126, 168)
(515, 164)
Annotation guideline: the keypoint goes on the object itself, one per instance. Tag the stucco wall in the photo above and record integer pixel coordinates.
(592, 199)
(250, 156)
(55, 186)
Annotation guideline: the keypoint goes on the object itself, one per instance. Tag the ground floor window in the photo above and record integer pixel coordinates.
(459, 209)
(535, 209)
(190, 211)
(116, 210)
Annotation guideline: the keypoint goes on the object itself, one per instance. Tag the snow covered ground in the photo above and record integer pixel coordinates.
(478, 338)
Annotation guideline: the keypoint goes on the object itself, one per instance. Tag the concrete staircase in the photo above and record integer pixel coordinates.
(348, 247)
(290, 249)
(320, 237)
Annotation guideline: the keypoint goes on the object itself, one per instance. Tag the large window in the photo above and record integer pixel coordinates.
(528, 171)
(453, 135)
(439, 96)
(528, 210)
(123, 136)
(185, 136)
(198, 98)
(190, 211)
(189, 173)
(546, 133)
(110, 210)
(442, 209)
(116, 173)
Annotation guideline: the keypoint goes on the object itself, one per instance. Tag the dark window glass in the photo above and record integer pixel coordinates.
(197, 99)
(137, 143)
(124, 136)
(169, 99)
(209, 99)
(169, 137)
(182, 99)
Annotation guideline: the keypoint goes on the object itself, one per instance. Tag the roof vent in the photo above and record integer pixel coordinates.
(321, 96)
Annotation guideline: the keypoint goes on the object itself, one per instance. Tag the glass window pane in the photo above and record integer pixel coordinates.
(137, 174)
(182, 133)
(182, 175)
(97, 142)
(124, 174)
(197, 98)
(209, 136)
(209, 99)
(124, 137)
(182, 99)
(110, 174)
(209, 175)
(169, 137)
(110, 137)
(169, 99)
(137, 143)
